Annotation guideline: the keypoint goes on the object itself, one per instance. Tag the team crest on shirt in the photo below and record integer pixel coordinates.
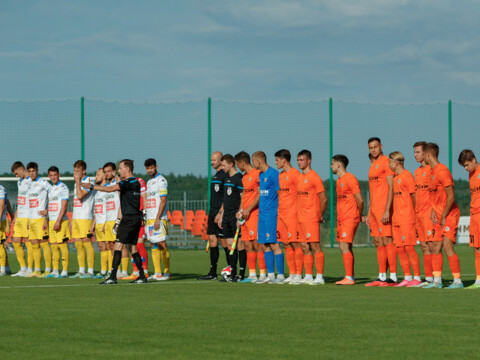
(308, 235)
(399, 181)
(403, 237)
(380, 229)
(265, 180)
(447, 229)
(376, 167)
(289, 235)
(429, 232)
(424, 174)
(268, 235)
(433, 177)
(229, 190)
(286, 177)
(251, 232)
(478, 176)
(305, 181)
(344, 235)
(250, 178)
(217, 187)
(341, 184)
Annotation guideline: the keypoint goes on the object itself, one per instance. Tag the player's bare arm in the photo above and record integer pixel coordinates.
(219, 216)
(111, 188)
(448, 206)
(386, 215)
(359, 201)
(81, 192)
(240, 208)
(253, 205)
(161, 208)
(10, 210)
(322, 198)
(414, 200)
(63, 211)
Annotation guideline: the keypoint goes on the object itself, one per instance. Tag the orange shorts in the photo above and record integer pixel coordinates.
(309, 232)
(377, 228)
(424, 226)
(287, 230)
(249, 229)
(449, 230)
(346, 231)
(475, 230)
(404, 235)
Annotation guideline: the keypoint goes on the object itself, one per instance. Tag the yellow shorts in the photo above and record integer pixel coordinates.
(60, 236)
(20, 228)
(81, 228)
(3, 228)
(99, 234)
(35, 229)
(109, 235)
(159, 236)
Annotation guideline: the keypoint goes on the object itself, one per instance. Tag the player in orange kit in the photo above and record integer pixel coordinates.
(445, 217)
(349, 210)
(287, 222)
(380, 181)
(403, 219)
(311, 203)
(469, 162)
(423, 210)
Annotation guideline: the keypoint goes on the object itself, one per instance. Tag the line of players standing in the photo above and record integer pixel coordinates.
(40, 221)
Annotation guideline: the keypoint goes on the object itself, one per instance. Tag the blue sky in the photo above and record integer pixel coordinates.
(372, 50)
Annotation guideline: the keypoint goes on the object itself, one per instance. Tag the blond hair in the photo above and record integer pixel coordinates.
(397, 156)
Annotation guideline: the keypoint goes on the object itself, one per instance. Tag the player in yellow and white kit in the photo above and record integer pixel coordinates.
(58, 224)
(20, 221)
(112, 216)
(98, 226)
(4, 207)
(156, 226)
(82, 219)
(37, 197)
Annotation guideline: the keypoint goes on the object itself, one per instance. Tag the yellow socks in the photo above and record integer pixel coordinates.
(20, 254)
(55, 256)
(90, 256)
(156, 260)
(65, 255)
(37, 256)
(3, 256)
(47, 255)
(80, 255)
(29, 246)
(104, 260)
(125, 264)
(166, 261)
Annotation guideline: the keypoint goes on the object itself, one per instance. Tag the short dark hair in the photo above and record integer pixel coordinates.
(128, 163)
(260, 155)
(80, 164)
(372, 139)
(341, 159)
(284, 154)
(16, 165)
(150, 162)
(53, 169)
(32, 165)
(465, 155)
(111, 165)
(432, 148)
(420, 143)
(228, 158)
(243, 157)
(306, 153)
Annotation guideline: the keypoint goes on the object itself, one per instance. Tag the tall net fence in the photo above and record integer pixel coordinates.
(181, 136)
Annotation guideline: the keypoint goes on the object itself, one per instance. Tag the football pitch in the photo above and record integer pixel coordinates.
(189, 319)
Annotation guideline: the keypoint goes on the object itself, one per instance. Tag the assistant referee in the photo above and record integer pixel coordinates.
(130, 222)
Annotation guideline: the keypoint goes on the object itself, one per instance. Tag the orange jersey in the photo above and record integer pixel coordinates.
(474, 179)
(308, 187)
(377, 182)
(403, 188)
(250, 188)
(422, 197)
(440, 178)
(347, 209)
(287, 196)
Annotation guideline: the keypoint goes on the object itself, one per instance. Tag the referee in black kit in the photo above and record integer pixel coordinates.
(131, 221)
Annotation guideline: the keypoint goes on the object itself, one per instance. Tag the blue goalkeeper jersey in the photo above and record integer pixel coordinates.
(269, 185)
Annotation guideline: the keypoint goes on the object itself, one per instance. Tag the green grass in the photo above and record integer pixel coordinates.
(189, 319)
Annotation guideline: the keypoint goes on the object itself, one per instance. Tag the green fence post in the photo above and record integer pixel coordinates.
(82, 130)
(209, 147)
(330, 114)
(450, 149)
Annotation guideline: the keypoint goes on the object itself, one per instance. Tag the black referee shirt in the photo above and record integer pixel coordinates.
(216, 190)
(233, 187)
(130, 196)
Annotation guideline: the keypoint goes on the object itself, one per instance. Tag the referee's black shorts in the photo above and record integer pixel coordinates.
(229, 224)
(128, 229)
(212, 227)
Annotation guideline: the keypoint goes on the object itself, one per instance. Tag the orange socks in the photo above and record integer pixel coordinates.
(299, 260)
(308, 261)
(404, 263)
(261, 262)
(252, 262)
(319, 262)
(382, 259)
(290, 256)
(412, 254)
(392, 257)
(427, 265)
(348, 263)
(437, 264)
(477, 265)
(454, 265)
